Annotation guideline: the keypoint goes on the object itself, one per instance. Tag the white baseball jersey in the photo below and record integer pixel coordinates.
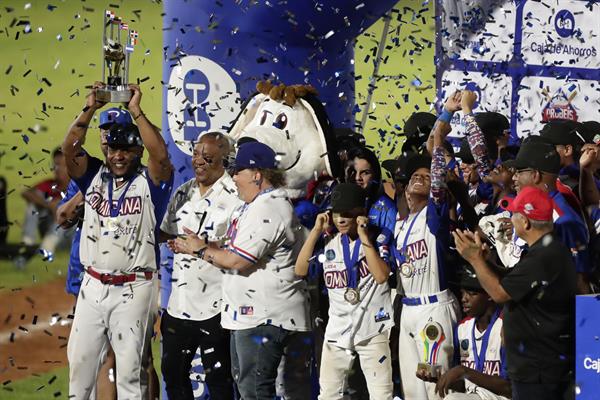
(266, 233)
(425, 247)
(494, 363)
(196, 284)
(127, 242)
(352, 324)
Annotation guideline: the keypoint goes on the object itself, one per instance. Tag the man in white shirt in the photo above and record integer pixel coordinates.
(264, 304)
(204, 204)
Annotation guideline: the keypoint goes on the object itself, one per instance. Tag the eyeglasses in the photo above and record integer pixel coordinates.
(520, 171)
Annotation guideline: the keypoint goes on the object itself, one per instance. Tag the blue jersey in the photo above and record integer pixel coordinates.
(572, 231)
(382, 214)
(75, 269)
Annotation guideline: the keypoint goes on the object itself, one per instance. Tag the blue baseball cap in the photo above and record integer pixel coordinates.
(255, 155)
(124, 136)
(114, 116)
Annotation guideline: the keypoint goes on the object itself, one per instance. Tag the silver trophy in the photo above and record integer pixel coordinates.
(432, 336)
(117, 45)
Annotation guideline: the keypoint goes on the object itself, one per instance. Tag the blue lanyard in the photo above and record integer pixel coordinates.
(480, 357)
(401, 257)
(351, 263)
(114, 212)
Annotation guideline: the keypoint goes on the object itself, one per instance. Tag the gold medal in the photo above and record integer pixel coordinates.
(352, 296)
(407, 270)
(112, 224)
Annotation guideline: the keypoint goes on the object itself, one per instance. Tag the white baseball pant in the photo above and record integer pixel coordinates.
(123, 315)
(411, 348)
(375, 361)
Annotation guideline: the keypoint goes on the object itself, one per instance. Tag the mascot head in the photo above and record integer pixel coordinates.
(291, 121)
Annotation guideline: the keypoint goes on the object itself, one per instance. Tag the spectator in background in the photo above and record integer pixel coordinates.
(538, 164)
(40, 215)
(382, 209)
(567, 139)
(539, 298)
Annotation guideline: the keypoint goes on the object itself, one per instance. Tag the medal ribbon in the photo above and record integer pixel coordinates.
(480, 357)
(401, 256)
(351, 263)
(114, 212)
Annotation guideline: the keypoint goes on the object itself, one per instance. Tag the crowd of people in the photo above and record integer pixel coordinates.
(453, 278)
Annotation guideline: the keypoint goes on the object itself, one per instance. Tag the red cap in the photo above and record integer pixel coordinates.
(532, 202)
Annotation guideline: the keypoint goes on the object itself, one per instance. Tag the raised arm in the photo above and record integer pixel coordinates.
(440, 130)
(475, 136)
(75, 158)
(308, 248)
(376, 265)
(159, 164)
(588, 162)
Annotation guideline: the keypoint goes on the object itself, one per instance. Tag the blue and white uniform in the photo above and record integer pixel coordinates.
(490, 359)
(421, 241)
(118, 237)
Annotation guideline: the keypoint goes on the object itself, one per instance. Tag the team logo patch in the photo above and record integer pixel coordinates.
(464, 344)
(246, 310)
(382, 315)
(330, 255)
(381, 238)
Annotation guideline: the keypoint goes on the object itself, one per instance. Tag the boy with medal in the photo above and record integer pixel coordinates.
(481, 374)
(420, 247)
(360, 306)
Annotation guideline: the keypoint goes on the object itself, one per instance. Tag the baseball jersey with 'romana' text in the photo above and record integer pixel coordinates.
(350, 324)
(422, 238)
(493, 362)
(126, 241)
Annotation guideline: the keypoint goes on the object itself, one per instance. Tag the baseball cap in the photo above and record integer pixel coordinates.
(468, 279)
(123, 136)
(255, 155)
(492, 123)
(591, 132)
(562, 132)
(416, 161)
(537, 154)
(416, 129)
(114, 116)
(532, 202)
(347, 197)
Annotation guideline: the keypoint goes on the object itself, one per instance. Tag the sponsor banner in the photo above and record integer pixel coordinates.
(543, 99)
(587, 359)
(201, 97)
(493, 94)
(477, 30)
(562, 33)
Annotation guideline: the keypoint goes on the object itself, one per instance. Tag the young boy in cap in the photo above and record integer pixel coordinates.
(481, 374)
(360, 307)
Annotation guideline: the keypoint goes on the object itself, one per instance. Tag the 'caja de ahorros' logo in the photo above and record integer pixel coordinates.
(565, 27)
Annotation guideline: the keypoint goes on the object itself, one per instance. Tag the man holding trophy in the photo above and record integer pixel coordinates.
(124, 204)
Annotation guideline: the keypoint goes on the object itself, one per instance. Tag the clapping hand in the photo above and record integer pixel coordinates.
(189, 243)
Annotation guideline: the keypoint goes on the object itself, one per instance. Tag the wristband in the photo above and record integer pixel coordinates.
(446, 116)
(200, 253)
(139, 115)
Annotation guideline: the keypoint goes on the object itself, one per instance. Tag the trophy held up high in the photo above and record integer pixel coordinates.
(432, 336)
(117, 45)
